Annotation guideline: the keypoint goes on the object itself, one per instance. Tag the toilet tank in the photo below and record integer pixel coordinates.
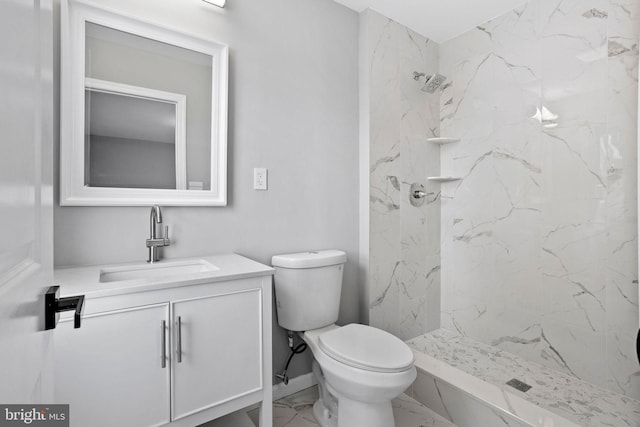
(307, 288)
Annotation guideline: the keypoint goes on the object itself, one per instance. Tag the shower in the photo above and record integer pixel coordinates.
(432, 82)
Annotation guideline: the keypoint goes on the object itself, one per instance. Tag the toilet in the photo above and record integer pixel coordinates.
(359, 369)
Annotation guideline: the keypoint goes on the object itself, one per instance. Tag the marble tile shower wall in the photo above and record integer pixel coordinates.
(405, 240)
(538, 239)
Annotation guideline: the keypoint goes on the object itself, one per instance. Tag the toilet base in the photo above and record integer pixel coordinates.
(333, 410)
(325, 410)
(352, 413)
(323, 416)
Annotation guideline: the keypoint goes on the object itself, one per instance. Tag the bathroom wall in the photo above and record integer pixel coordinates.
(397, 117)
(124, 162)
(539, 247)
(293, 108)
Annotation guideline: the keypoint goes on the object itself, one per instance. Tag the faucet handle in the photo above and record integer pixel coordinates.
(167, 242)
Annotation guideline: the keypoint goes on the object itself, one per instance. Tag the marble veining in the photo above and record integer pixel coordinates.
(404, 294)
(539, 254)
(573, 399)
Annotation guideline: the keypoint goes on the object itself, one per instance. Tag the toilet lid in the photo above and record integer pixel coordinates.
(366, 348)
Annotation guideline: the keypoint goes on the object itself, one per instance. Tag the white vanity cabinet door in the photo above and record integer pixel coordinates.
(111, 370)
(217, 350)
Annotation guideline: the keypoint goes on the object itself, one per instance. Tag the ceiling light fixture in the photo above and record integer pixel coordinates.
(219, 3)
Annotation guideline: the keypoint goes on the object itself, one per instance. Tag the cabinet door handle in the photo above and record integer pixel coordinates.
(179, 339)
(164, 343)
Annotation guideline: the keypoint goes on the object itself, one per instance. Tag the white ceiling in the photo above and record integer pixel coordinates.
(437, 20)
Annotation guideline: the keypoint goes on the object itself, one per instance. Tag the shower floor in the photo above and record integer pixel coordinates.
(453, 368)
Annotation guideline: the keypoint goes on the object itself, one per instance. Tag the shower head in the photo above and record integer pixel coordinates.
(432, 83)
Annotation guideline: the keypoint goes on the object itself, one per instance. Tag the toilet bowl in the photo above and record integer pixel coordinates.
(363, 369)
(359, 369)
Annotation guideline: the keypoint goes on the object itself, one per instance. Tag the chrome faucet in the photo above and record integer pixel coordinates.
(154, 242)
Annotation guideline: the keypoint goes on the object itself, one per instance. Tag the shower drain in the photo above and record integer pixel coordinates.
(519, 385)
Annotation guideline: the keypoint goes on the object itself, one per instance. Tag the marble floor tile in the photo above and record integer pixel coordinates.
(297, 411)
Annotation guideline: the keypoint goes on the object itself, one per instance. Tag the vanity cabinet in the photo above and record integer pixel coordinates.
(110, 370)
(217, 340)
(178, 356)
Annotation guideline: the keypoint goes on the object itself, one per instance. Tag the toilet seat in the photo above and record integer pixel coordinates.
(366, 348)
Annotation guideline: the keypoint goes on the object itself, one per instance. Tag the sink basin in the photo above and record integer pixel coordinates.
(155, 271)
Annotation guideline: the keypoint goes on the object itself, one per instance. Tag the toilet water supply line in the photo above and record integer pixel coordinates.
(294, 350)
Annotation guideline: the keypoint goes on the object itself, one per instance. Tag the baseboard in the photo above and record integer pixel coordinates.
(295, 385)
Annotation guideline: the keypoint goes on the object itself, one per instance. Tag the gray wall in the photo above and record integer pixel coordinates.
(293, 108)
(133, 163)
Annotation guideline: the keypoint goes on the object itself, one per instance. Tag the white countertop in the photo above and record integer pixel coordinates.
(86, 280)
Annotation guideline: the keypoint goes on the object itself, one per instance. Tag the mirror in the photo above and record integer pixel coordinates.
(143, 112)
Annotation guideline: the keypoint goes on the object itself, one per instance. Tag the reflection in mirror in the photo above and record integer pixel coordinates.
(128, 59)
(131, 142)
(143, 112)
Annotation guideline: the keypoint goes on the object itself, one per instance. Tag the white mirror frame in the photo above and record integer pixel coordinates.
(73, 192)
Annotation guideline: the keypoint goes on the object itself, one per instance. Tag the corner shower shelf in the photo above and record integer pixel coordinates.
(443, 140)
(444, 178)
